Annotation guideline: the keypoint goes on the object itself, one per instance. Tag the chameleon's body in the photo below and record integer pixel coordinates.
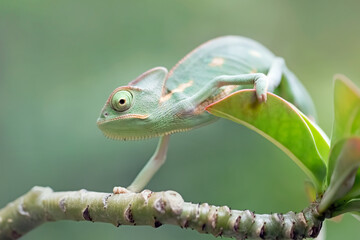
(158, 103)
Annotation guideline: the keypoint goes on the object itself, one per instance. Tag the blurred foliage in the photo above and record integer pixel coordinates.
(59, 60)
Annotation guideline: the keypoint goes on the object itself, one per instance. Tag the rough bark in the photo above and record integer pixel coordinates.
(154, 209)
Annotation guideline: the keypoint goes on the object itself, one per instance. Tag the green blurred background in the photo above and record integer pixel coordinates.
(60, 60)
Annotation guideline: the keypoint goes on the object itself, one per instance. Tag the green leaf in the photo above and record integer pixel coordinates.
(355, 190)
(352, 205)
(346, 158)
(356, 215)
(346, 109)
(321, 139)
(346, 124)
(281, 123)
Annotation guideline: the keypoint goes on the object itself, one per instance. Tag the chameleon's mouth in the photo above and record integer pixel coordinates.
(128, 138)
(124, 128)
(115, 136)
(102, 120)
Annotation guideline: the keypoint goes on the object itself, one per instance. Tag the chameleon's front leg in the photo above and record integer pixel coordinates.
(151, 167)
(261, 82)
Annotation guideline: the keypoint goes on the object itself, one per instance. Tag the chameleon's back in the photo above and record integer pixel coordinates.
(232, 55)
(229, 55)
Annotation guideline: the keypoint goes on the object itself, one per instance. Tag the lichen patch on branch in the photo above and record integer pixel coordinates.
(146, 194)
(62, 204)
(105, 199)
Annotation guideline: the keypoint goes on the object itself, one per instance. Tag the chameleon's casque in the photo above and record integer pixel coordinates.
(159, 102)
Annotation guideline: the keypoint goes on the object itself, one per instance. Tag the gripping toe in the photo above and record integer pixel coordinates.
(261, 88)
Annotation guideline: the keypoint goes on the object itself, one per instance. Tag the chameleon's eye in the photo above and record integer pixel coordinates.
(121, 101)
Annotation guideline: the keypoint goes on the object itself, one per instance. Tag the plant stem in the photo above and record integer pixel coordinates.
(41, 204)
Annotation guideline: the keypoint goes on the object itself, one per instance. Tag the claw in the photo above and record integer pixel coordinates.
(262, 97)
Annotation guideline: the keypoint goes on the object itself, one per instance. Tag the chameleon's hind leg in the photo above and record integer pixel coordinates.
(262, 82)
(151, 167)
(293, 91)
(275, 73)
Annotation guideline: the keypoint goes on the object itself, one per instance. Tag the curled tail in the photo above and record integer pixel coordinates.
(291, 89)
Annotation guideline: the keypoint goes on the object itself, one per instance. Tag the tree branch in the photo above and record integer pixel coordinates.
(41, 204)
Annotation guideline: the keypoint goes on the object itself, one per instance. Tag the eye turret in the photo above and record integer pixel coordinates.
(121, 101)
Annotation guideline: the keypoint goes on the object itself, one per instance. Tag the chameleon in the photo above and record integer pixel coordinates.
(159, 102)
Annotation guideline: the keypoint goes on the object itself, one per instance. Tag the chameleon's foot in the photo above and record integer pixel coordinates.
(120, 190)
(261, 85)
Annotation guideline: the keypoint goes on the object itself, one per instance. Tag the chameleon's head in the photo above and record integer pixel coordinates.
(127, 112)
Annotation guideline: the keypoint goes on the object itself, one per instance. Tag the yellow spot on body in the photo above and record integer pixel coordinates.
(253, 71)
(255, 53)
(216, 62)
(10, 220)
(180, 88)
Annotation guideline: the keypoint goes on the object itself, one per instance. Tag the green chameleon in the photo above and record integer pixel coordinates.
(159, 103)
